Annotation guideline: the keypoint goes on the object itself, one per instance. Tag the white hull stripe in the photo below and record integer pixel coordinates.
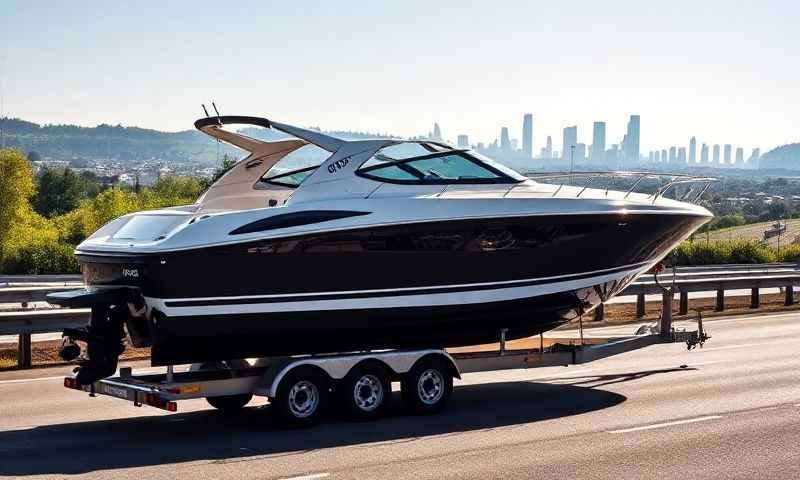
(500, 294)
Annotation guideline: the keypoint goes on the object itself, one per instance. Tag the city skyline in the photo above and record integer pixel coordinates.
(726, 70)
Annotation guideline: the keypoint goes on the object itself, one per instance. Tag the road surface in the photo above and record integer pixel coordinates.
(732, 412)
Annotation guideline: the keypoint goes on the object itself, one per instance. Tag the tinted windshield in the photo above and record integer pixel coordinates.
(451, 166)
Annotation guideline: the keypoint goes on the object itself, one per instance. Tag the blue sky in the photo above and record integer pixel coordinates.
(724, 71)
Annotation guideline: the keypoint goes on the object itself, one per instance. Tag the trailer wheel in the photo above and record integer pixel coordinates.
(365, 391)
(427, 387)
(226, 403)
(301, 398)
(230, 403)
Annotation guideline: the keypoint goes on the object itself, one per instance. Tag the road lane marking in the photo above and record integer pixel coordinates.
(666, 424)
(312, 476)
(25, 380)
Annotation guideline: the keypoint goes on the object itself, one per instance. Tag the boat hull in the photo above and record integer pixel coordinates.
(434, 284)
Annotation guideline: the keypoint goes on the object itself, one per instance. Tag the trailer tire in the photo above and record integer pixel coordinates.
(427, 387)
(301, 398)
(364, 392)
(230, 403)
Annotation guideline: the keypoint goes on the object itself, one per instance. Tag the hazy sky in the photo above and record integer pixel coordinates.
(724, 71)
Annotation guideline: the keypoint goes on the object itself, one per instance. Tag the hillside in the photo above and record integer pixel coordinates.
(128, 144)
(755, 232)
(783, 157)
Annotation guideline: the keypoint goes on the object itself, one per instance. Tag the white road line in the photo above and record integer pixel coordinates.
(25, 380)
(666, 424)
(309, 477)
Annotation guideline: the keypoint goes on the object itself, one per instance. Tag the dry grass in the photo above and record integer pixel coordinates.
(754, 232)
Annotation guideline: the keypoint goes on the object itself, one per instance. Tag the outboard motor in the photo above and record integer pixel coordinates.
(103, 335)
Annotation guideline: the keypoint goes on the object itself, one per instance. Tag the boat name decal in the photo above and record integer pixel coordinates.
(338, 165)
(130, 272)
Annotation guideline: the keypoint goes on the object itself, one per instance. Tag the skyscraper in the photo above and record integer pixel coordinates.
(580, 152)
(463, 141)
(505, 141)
(739, 157)
(704, 154)
(682, 156)
(651, 157)
(549, 148)
(673, 154)
(657, 156)
(753, 160)
(437, 132)
(692, 150)
(598, 142)
(527, 135)
(727, 154)
(664, 158)
(631, 146)
(716, 154)
(570, 140)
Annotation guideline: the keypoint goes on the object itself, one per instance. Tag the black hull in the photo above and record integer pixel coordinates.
(569, 264)
(277, 334)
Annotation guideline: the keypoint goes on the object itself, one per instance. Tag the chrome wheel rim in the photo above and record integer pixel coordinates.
(303, 399)
(430, 386)
(368, 393)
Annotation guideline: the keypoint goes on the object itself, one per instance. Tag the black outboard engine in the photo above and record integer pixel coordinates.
(103, 335)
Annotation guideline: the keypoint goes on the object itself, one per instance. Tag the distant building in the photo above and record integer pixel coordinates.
(570, 140)
(704, 154)
(580, 153)
(727, 150)
(673, 154)
(549, 147)
(682, 156)
(651, 157)
(527, 135)
(505, 141)
(631, 146)
(753, 160)
(664, 158)
(514, 144)
(739, 157)
(463, 141)
(716, 154)
(437, 132)
(692, 150)
(598, 142)
(657, 156)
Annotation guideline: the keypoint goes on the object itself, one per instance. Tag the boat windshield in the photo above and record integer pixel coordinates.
(445, 166)
(292, 169)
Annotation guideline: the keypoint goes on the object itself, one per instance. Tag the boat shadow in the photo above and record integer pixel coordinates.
(209, 435)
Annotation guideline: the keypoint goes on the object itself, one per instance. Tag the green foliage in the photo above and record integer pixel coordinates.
(733, 251)
(724, 221)
(42, 258)
(16, 189)
(60, 190)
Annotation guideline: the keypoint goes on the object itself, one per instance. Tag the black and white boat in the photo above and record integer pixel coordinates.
(316, 244)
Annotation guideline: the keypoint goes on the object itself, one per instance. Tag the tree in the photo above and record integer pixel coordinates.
(60, 190)
(16, 189)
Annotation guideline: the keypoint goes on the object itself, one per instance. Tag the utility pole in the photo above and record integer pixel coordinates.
(571, 161)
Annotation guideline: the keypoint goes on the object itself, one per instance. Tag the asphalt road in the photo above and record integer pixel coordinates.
(733, 412)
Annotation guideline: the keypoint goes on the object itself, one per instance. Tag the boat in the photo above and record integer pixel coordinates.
(313, 244)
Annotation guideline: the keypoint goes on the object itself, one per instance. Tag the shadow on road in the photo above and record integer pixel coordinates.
(211, 436)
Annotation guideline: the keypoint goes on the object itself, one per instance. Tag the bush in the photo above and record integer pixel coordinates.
(733, 251)
(41, 259)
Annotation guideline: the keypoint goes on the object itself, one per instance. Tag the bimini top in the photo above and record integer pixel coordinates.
(312, 165)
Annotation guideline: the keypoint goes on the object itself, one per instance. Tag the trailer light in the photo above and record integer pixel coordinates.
(186, 389)
(172, 407)
(70, 382)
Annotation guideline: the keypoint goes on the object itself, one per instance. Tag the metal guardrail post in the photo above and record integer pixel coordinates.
(720, 300)
(666, 313)
(789, 300)
(600, 313)
(640, 305)
(24, 351)
(755, 299)
(683, 309)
